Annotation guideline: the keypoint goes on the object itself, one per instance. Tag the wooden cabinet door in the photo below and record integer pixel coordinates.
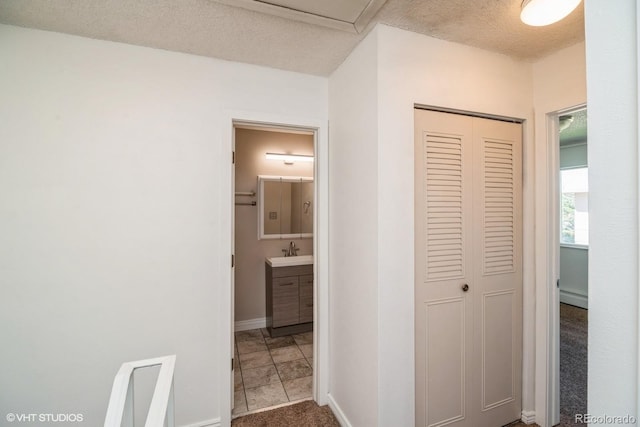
(286, 301)
(306, 298)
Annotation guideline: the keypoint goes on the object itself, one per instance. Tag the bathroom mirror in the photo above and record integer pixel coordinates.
(285, 207)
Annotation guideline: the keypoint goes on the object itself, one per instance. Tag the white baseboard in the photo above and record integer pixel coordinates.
(214, 422)
(572, 298)
(528, 417)
(340, 416)
(245, 325)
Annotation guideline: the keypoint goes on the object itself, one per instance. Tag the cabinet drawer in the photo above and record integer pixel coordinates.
(286, 301)
(284, 286)
(295, 270)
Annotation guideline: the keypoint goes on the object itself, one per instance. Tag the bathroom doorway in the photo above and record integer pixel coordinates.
(274, 270)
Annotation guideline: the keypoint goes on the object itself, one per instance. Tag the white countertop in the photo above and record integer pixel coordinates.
(289, 261)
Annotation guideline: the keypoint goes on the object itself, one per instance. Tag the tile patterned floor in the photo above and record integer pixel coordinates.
(271, 371)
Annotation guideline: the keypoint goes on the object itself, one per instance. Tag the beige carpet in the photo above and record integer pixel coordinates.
(573, 364)
(303, 414)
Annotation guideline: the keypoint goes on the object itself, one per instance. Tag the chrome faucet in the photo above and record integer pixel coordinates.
(293, 251)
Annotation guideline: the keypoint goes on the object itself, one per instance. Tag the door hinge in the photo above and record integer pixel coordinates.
(233, 157)
(558, 283)
(232, 363)
(233, 261)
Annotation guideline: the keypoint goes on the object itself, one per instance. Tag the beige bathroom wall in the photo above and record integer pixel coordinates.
(251, 146)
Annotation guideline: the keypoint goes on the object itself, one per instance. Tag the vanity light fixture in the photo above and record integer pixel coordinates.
(539, 13)
(289, 159)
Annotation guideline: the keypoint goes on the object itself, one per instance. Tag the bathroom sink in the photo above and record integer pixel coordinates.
(287, 261)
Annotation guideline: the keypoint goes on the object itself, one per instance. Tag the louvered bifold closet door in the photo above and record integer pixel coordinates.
(443, 193)
(468, 272)
(497, 269)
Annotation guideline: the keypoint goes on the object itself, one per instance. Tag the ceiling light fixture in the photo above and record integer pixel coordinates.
(289, 159)
(538, 13)
(564, 122)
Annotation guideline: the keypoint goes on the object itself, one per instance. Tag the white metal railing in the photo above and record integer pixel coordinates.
(120, 412)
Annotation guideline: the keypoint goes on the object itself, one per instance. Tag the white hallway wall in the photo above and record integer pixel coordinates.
(353, 240)
(612, 97)
(390, 72)
(413, 69)
(112, 189)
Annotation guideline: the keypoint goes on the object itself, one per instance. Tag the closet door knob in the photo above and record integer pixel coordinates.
(465, 287)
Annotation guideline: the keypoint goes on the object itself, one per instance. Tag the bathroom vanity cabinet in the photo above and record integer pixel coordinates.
(289, 302)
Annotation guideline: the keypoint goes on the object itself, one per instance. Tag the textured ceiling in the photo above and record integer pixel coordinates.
(208, 28)
(347, 11)
(488, 24)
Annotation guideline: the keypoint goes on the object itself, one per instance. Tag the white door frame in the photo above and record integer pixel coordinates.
(320, 249)
(552, 304)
